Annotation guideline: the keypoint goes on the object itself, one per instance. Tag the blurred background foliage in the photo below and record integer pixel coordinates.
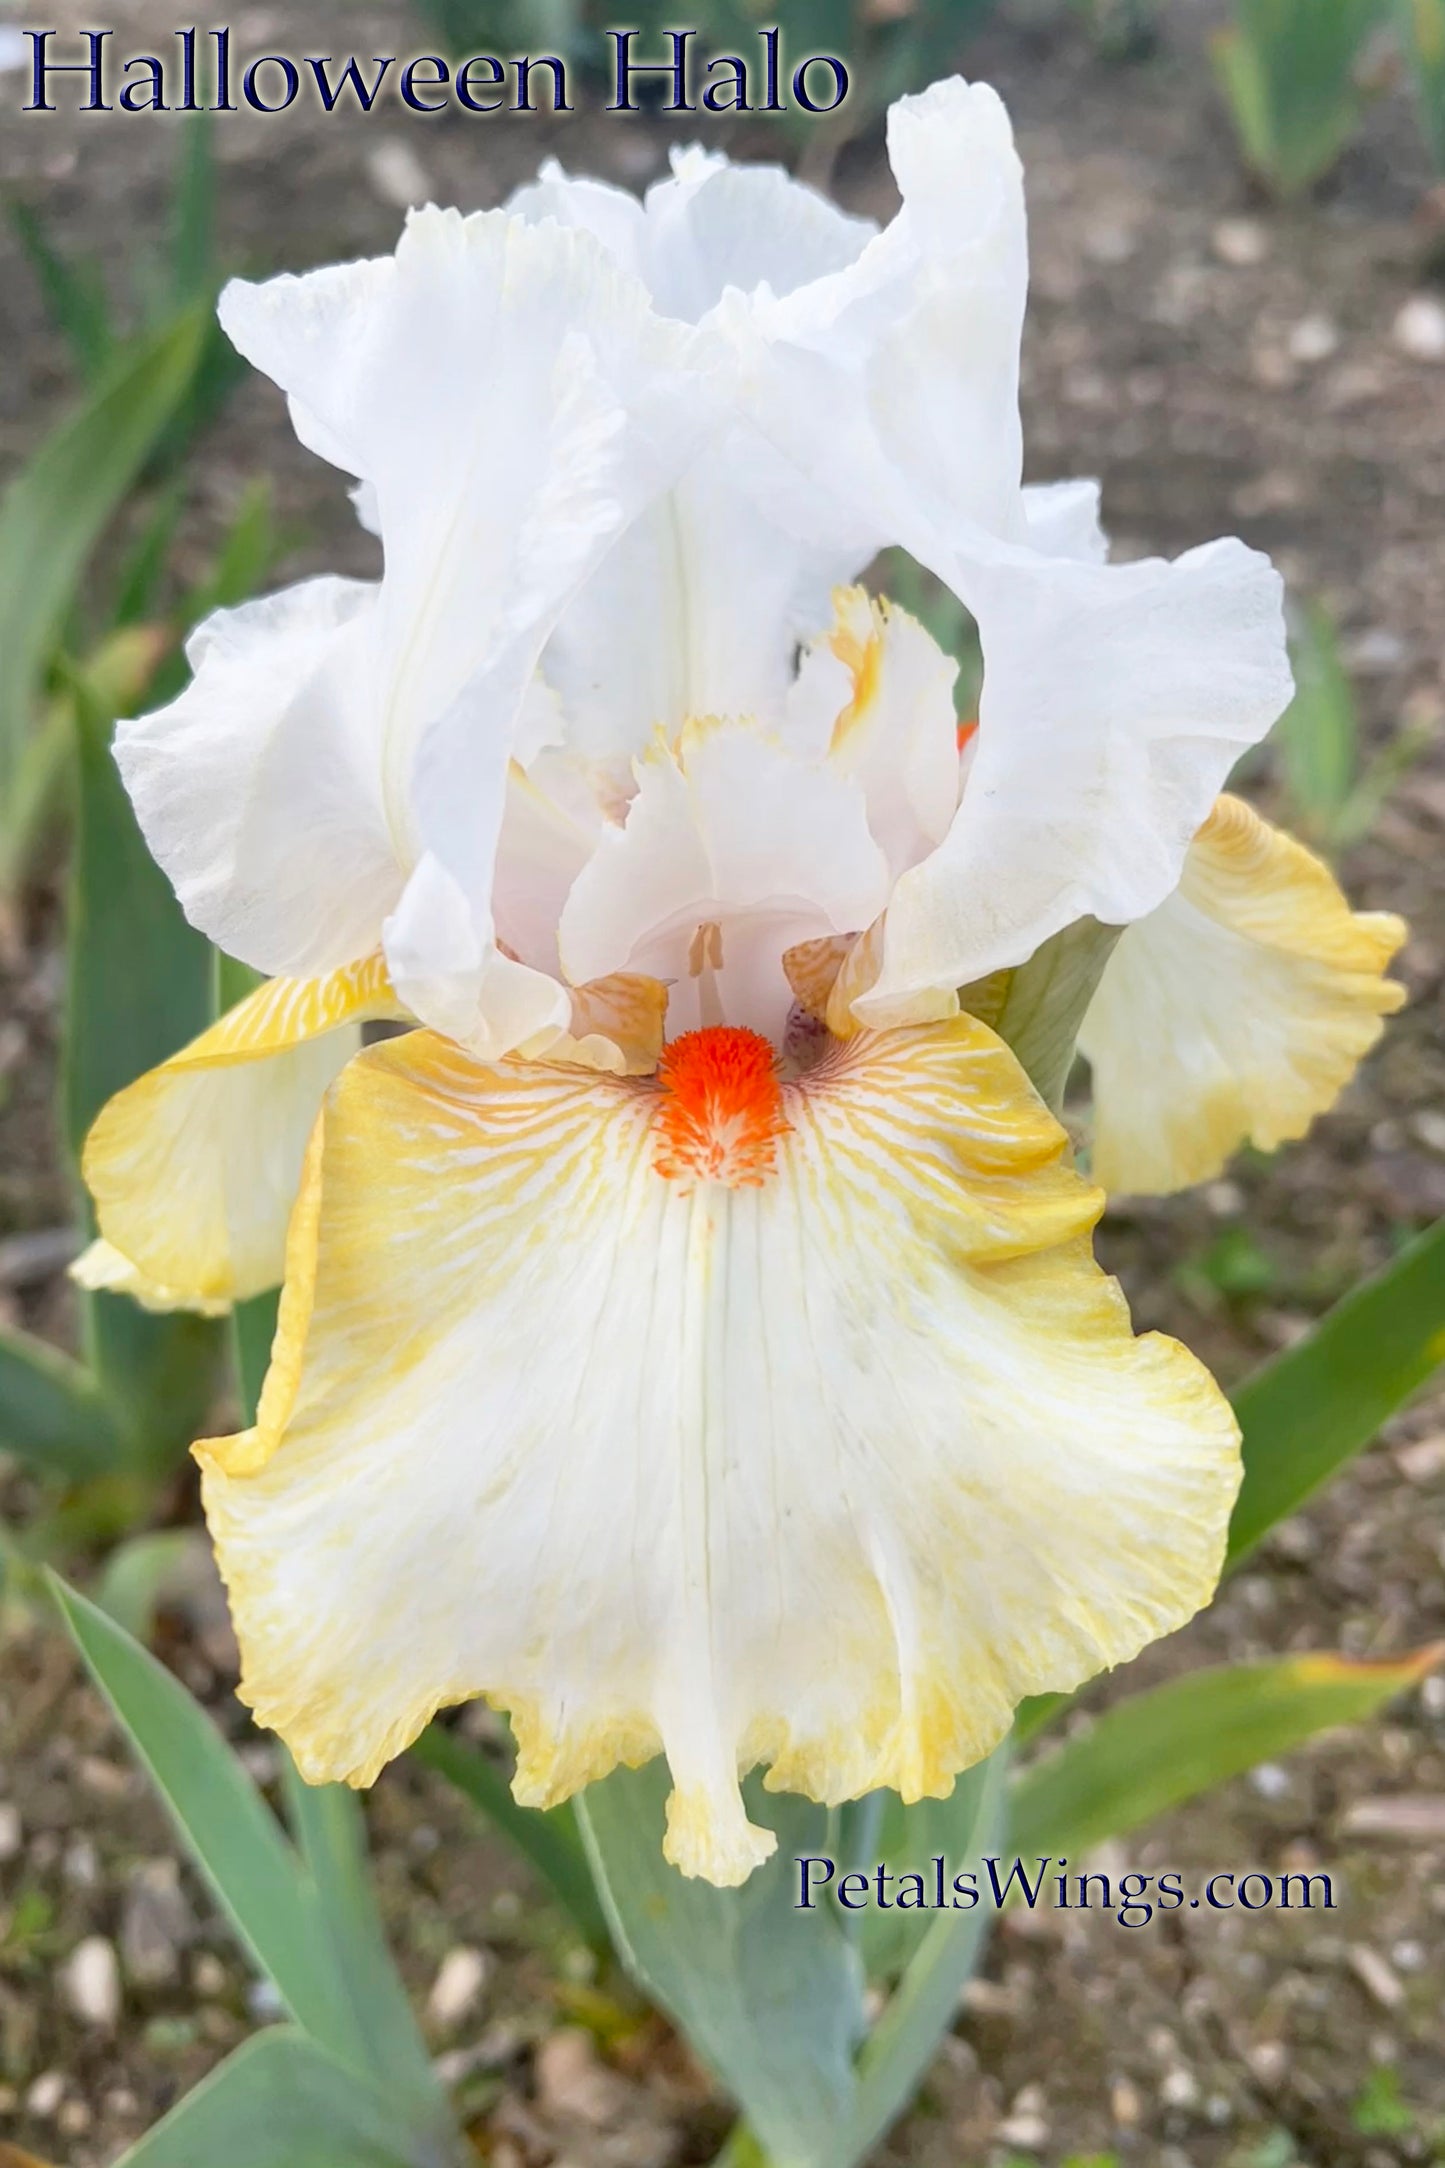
(93, 613)
(1293, 73)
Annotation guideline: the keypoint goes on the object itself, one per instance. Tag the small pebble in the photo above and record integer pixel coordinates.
(1314, 339)
(11, 1835)
(81, 1864)
(74, 2119)
(1420, 328)
(155, 1924)
(1414, 1818)
(1111, 241)
(45, 2095)
(91, 1983)
(1240, 242)
(1423, 1461)
(1429, 1127)
(1178, 2088)
(103, 1777)
(572, 2080)
(1271, 1780)
(1023, 2128)
(1125, 2105)
(1294, 1540)
(208, 1975)
(457, 1986)
(1375, 1976)
(1376, 652)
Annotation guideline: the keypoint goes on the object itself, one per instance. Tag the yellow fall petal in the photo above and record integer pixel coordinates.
(800, 1428)
(194, 1167)
(101, 1270)
(1236, 1012)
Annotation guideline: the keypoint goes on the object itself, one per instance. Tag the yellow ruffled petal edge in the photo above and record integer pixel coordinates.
(1236, 1012)
(193, 1168)
(825, 1471)
(101, 1270)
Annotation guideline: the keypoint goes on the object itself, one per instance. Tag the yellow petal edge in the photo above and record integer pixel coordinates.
(1236, 1012)
(193, 1168)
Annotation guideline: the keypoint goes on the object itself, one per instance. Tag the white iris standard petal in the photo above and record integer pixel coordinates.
(700, 607)
(510, 400)
(1115, 699)
(258, 788)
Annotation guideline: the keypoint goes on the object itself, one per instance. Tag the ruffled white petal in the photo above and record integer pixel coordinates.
(259, 789)
(510, 402)
(825, 1472)
(1115, 701)
(889, 391)
(709, 226)
(1234, 1013)
(733, 851)
(699, 609)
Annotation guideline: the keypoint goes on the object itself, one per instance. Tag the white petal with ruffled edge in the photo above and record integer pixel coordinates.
(889, 390)
(708, 226)
(1236, 1012)
(827, 1472)
(258, 788)
(1115, 701)
(492, 509)
(700, 607)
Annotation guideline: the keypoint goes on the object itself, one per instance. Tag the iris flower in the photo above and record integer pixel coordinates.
(691, 1338)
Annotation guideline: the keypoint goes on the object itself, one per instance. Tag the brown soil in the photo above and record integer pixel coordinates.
(1179, 373)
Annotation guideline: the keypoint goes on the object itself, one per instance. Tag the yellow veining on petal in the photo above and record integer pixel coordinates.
(194, 1166)
(1237, 1011)
(827, 1472)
